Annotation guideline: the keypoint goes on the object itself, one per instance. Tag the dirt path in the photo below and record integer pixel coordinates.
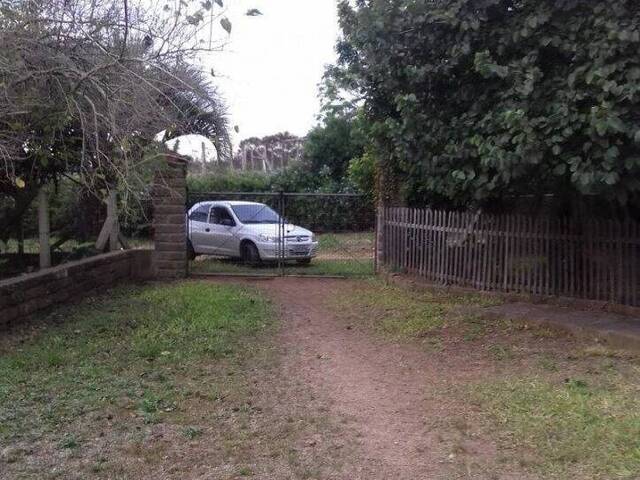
(383, 389)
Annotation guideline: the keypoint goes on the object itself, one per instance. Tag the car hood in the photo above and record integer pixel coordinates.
(273, 229)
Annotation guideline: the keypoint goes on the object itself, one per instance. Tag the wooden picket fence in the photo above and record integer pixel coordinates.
(596, 260)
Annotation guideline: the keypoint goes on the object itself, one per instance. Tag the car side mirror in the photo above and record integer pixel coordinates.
(227, 222)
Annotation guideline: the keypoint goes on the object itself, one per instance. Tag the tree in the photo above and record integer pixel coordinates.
(87, 85)
(270, 153)
(474, 101)
(332, 144)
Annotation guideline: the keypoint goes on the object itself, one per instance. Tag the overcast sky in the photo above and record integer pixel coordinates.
(270, 68)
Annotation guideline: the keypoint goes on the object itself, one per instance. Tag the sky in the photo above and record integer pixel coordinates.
(271, 65)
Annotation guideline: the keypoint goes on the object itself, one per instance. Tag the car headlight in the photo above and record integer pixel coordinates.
(268, 238)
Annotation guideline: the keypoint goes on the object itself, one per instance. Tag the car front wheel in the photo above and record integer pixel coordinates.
(250, 254)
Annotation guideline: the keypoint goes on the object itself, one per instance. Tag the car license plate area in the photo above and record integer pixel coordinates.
(298, 251)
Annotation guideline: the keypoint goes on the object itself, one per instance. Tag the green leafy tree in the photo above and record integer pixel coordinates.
(362, 173)
(474, 101)
(331, 145)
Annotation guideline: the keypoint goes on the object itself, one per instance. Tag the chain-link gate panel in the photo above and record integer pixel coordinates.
(269, 234)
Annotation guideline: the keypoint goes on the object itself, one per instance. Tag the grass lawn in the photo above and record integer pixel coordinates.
(555, 407)
(347, 244)
(147, 381)
(339, 254)
(318, 266)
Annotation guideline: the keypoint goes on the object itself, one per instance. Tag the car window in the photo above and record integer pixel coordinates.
(255, 213)
(200, 214)
(218, 214)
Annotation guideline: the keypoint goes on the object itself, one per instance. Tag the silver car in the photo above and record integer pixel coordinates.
(246, 230)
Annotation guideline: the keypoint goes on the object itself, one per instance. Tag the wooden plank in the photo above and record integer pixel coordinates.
(527, 231)
(595, 249)
(405, 239)
(522, 240)
(572, 258)
(515, 271)
(417, 243)
(635, 283)
(507, 240)
(409, 238)
(626, 263)
(386, 237)
(494, 252)
(406, 236)
(548, 260)
(439, 250)
(423, 241)
(433, 217)
(447, 249)
(485, 253)
(568, 259)
(456, 238)
(396, 240)
(582, 245)
(399, 241)
(441, 246)
(426, 246)
(480, 248)
(503, 251)
(614, 266)
(465, 249)
(620, 236)
(534, 254)
(392, 239)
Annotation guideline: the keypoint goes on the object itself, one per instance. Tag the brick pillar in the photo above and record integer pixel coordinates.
(169, 219)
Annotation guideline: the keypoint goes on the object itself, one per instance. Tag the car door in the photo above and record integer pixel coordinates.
(223, 226)
(197, 229)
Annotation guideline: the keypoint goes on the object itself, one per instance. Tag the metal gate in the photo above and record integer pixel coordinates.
(278, 234)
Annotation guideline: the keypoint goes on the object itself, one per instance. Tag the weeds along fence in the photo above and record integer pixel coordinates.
(595, 260)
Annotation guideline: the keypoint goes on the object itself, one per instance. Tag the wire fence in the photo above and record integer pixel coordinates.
(277, 233)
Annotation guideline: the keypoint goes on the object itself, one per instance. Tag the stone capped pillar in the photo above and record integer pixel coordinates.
(169, 219)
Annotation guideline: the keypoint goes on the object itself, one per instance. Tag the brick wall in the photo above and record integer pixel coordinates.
(169, 219)
(25, 295)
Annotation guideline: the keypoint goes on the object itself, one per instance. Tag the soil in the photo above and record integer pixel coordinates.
(390, 393)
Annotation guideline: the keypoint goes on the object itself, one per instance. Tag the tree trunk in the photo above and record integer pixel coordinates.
(43, 228)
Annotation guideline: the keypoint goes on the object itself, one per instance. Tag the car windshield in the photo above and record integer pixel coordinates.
(255, 213)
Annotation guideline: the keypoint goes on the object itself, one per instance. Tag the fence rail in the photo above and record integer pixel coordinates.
(596, 260)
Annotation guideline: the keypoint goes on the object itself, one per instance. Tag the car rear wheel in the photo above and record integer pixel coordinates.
(250, 253)
(304, 261)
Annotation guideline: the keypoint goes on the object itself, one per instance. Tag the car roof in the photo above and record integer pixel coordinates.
(228, 203)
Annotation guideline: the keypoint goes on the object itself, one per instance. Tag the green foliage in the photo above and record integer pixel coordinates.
(472, 101)
(362, 173)
(230, 181)
(333, 144)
